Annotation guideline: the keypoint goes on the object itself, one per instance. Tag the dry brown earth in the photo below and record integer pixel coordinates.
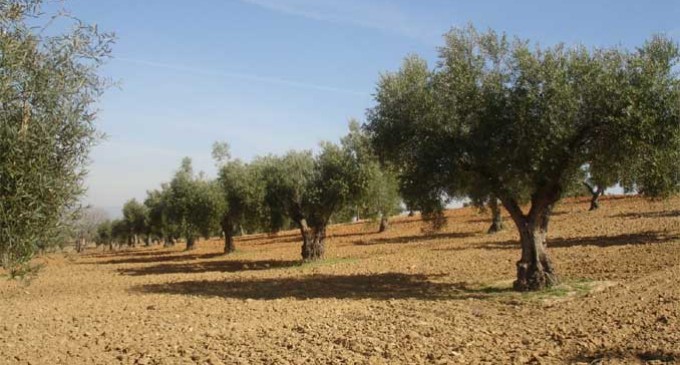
(401, 297)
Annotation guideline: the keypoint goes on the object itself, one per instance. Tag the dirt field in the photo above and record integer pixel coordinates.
(401, 297)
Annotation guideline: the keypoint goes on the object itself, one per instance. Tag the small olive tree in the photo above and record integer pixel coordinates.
(499, 117)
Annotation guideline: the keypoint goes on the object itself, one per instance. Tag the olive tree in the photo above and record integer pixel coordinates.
(49, 85)
(86, 225)
(309, 189)
(243, 195)
(380, 199)
(104, 235)
(500, 117)
(136, 217)
(194, 204)
(160, 224)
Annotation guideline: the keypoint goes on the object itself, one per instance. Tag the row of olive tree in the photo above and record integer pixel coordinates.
(501, 118)
(299, 189)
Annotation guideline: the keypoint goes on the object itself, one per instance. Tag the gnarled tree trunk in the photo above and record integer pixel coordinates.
(596, 192)
(312, 241)
(496, 218)
(534, 269)
(228, 229)
(384, 223)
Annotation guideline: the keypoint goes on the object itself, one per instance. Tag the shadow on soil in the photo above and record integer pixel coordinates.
(413, 239)
(209, 266)
(159, 256)
(601, 357)
(649, 237)
(376, 286)
(661, 214)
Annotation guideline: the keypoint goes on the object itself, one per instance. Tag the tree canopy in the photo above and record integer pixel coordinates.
(48, 87)
(500, 117)
(309, 189)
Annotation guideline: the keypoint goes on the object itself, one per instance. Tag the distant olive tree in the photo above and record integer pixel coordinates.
(500, 117)
(242, 194)
(48, 88)
(160, 224)
(136, 217)
(104, 235)
(194, 204)
(309, 189)
(380, 199)
(86, 225)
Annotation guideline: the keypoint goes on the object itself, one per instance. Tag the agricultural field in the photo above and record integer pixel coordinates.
(406, 296)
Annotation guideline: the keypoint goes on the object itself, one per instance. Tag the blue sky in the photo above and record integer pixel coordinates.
(272, 75)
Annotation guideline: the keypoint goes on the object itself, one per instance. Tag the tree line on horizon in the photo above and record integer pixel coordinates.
(496, 120)
(299, 189)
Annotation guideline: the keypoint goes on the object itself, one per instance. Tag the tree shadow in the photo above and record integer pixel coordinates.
(636, 215)
(414, 238)
(209, 266)
(366, 286)
(600, 357)
(260, 236)
(147, 251)
(641, 238)
(159, 257)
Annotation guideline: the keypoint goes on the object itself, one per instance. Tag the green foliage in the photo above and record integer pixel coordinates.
(136, 217)
(301, 186)
(48, 86)
(500, 117)
(157, 203)
(243, 195)
(381, 194)
(104, 233)
(194, 204)
(120, 232)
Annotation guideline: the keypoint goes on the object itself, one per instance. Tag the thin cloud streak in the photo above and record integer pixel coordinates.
(243, 76)
(384, 16)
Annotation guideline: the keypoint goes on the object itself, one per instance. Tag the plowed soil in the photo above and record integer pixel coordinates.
(406, 296)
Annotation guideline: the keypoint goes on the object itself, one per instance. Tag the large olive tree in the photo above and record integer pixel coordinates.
(501, 117)
(48, 87)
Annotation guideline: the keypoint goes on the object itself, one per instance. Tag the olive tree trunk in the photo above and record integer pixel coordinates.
(384, 223)
(496, 218)
(228, 229)
(191, 243)
(168, 241)
(596, 192)
(312, 241)
(535, 270)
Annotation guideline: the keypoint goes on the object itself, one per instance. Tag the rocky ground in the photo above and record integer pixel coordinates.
(406, 296)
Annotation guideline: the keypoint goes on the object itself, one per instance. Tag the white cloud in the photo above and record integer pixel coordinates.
(382, 15)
